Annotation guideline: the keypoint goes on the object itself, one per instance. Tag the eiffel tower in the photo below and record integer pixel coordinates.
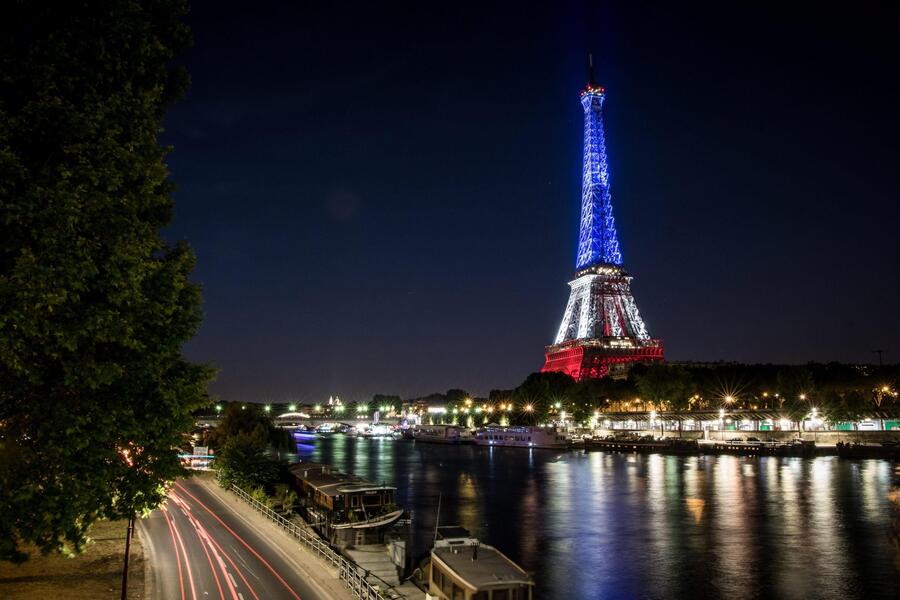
(602, 332)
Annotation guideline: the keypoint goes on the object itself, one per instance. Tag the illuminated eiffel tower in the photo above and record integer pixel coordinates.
(601, 331)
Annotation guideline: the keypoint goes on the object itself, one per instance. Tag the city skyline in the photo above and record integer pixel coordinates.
(418, 236)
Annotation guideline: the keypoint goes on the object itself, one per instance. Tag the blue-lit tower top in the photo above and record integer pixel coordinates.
(598, 242)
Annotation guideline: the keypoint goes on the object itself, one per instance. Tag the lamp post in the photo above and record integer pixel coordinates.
(128, 533)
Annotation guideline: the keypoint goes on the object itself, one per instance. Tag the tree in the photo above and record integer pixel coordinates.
(379, 400)
(845, 406)
(245, 461)
(251, 419)
(796, 385)
(665, 385)
(94, 305)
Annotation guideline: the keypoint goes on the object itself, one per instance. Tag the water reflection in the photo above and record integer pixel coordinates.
(607, 526)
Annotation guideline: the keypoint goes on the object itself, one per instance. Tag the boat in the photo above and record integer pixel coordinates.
(443, 434)
(521, 437)
(346, 510)
(749, 447)
(461, 567)
(376, 431)
(643, 444)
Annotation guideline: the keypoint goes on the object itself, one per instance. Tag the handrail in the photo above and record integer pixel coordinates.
(349, 572)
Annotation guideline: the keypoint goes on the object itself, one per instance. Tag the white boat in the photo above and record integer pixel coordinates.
(442, 434)
(462, 567)
(520, 437)
(376, 431)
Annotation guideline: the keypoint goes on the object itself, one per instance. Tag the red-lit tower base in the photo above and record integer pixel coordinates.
(595, 358)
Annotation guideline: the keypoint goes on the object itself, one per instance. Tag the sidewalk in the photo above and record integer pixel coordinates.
(317, 572)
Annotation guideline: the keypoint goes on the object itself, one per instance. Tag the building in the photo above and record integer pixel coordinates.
(602, 332)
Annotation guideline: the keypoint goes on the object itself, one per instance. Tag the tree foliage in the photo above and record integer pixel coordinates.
(94, 305)
(249, 419)
(664, 385)
(245, 461)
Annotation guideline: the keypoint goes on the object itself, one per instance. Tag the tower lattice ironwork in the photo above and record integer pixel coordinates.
(601, 331)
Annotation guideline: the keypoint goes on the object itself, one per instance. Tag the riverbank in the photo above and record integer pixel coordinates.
(93, 575)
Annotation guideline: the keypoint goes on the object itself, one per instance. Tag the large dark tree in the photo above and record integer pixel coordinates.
(94, 305)
(666, 386)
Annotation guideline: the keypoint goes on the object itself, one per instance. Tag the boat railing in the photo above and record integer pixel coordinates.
(353, 576)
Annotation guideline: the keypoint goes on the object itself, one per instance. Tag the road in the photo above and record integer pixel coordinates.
(200, 549)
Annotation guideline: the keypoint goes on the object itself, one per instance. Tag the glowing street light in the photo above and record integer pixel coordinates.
(292, 407)
(218, 408)
(529, 408)
(267, 408)
(729, 399)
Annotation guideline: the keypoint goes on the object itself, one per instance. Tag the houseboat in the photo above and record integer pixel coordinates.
(344, 509)
(443, 434)
(462, 568)
(521, 437)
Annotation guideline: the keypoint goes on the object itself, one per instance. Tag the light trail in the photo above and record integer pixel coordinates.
(219, 551)
(241, 540)
(198, 529)
(187, 562)
(165, 512)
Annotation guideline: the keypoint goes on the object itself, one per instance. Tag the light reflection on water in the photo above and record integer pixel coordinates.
(604, 526)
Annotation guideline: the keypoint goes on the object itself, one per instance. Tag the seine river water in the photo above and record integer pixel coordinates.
(597, 525)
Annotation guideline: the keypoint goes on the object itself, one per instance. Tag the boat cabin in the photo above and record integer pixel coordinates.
(346, 509)
(462, 568)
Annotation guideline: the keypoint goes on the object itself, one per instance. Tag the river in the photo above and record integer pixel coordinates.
(597, 525)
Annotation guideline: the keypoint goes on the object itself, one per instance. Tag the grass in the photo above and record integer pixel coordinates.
(93, 575)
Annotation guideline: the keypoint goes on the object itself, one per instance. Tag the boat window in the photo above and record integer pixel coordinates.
(446, 585)
(458, 593)
(436, 576)
(529, 438)
(480, 596)
(500, 595)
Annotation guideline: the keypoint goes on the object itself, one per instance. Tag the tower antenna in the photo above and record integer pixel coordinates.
(591, 80)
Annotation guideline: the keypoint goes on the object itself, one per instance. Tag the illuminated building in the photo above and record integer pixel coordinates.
(601, 331)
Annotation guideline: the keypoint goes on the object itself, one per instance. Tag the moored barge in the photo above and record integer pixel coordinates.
(344, 509)
(521, 437)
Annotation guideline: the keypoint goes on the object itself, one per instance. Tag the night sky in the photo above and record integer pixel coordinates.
(384, 198)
